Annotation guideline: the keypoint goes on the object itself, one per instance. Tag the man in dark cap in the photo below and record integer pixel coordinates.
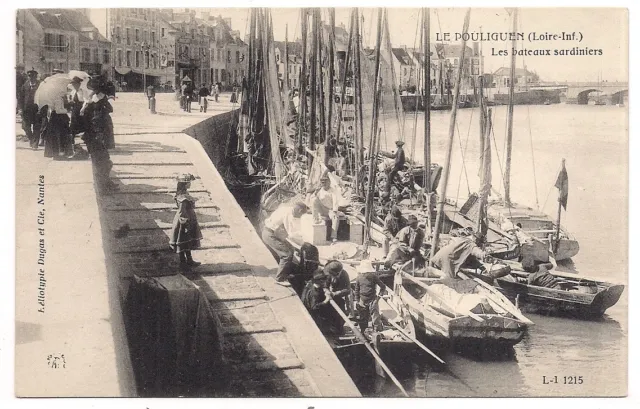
(398, 164)
(314, 297)
(339, 287)
(406, 245)
(30, 109)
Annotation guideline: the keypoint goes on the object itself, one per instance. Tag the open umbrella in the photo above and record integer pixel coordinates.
(53, 92)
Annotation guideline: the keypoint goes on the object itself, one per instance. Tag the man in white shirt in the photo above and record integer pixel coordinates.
(282, 224)
(325, 203)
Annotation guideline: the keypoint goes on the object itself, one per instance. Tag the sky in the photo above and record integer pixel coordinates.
(605, 29)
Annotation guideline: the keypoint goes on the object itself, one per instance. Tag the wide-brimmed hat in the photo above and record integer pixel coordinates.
(76, 80)
(333, 267)
(412, 218)
(399, 143)
(185, 177)
(365, 266)
(32, 72)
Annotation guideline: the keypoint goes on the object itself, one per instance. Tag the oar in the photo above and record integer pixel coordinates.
(409, 337)
(421, 345)
(368, 346)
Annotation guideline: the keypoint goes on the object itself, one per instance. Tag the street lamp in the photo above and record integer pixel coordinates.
(145, 49)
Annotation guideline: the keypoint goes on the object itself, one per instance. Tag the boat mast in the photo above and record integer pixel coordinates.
(373, 144)
(285, 77)
(321, 79)
(358, 89)
(512, 77)
(314, 80)
(427, 99)
(302, 94)
(332, 52)
(452, 128)
(426, 27)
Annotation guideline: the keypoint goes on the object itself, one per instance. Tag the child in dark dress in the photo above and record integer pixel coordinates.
(186, 234)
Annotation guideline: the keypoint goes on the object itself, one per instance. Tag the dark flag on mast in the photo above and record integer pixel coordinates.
(562, 183)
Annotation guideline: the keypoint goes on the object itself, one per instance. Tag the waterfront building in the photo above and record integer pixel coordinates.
(48, 41)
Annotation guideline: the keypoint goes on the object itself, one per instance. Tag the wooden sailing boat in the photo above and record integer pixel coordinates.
(528, 221)
(464, 312)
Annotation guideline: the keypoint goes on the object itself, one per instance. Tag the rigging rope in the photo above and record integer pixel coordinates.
(415, 112)
(464, 166)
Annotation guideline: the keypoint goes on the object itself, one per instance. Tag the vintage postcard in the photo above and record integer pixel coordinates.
(320, 202)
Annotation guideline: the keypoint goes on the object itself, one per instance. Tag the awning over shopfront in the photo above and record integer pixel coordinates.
(123, 70)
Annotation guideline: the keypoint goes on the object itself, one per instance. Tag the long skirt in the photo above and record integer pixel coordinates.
(185, 236)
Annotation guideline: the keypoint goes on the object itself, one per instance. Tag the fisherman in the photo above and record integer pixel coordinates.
(284, 223)
(366, 296)
(315, 299)
(542, 277)
(461, 251)
(325, 204)
(406, 244)
(398, 164)
(393, 223)
(203, 93)
(339, 288)
(30, 109)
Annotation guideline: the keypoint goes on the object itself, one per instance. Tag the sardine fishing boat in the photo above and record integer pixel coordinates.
(463, 312)
(572, 295)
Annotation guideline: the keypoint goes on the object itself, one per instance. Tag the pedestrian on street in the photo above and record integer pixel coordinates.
(151, 96)
(96, 136)
(30, 109)
(282, 224)
(203, 94)
(216, 91)
(58, 142)
(184, 89)
(75, 104)
(20, 80)
(366, 296)
(186, 233)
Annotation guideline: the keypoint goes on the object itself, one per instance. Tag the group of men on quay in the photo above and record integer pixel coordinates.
(54, 126)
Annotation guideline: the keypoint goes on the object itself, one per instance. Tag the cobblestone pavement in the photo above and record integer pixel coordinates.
(270, 343)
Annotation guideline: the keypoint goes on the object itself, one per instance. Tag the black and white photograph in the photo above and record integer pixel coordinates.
(318, 202)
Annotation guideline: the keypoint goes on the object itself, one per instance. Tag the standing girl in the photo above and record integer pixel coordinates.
(186, 234)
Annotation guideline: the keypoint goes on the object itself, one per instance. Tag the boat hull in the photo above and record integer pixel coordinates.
(556, 302)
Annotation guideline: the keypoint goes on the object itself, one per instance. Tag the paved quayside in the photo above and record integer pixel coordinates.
(271, 343)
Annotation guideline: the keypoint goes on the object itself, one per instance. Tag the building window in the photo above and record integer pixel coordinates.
(95, 56)
(215, 75)
(137, 58)
(118, 35)
(163, 35)
(128, 32)
(153, 38)
(146, 57)
(119, 61)
(86, 55)
(72, 45)
(237, 57)
(137, 35)
(228, 55)
(105, 56)
(128, 58)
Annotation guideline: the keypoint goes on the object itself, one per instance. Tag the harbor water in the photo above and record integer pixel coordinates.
(594, 142)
